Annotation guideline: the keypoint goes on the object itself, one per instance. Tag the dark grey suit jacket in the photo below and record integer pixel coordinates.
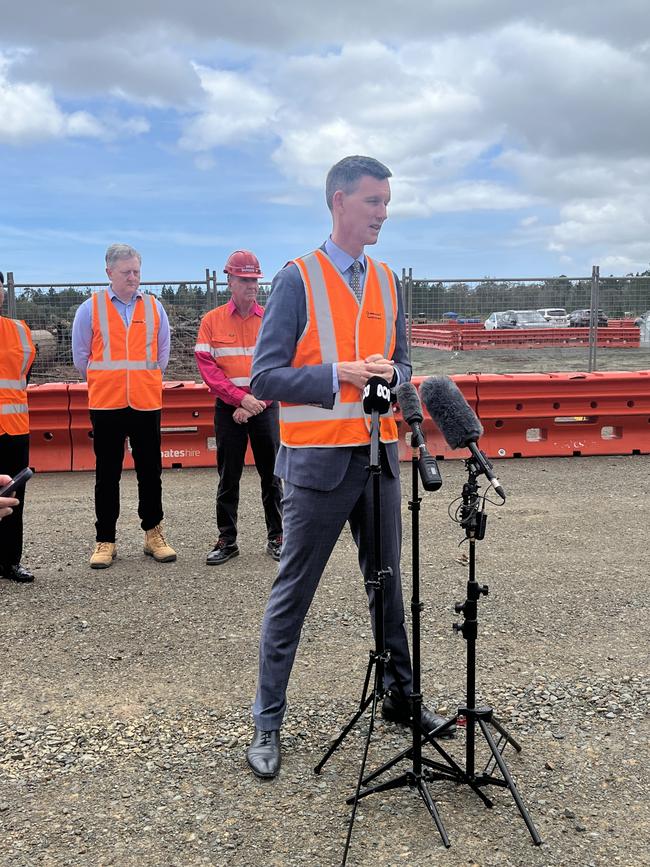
(273, 378)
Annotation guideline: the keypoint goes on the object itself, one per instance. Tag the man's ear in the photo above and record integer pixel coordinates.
(337, 201)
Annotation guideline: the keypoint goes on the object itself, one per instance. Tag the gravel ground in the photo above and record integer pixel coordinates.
(126, 692)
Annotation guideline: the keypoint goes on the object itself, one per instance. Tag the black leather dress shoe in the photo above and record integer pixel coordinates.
(400, 712)
(263, 755)
(221, 553)
(17, 573)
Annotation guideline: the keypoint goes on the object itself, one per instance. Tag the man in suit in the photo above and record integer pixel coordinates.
(334, 319)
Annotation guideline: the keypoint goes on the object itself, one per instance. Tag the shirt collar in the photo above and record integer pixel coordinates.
(341, 259)
(112, 295)
(256, 310)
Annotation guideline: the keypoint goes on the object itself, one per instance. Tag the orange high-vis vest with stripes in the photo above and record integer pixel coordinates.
(231, 343)
(123, 368)
(16, 356)
(338, 329)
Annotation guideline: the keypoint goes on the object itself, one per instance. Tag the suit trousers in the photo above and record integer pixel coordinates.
(111, 427)
(14, 456)
(313, 521)
(232, 440)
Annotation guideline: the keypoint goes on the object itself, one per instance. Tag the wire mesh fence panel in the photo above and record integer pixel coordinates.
(454, 326)
(528, 324)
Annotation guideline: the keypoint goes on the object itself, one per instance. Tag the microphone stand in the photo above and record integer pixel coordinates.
(379, 657)
(413, 778)
(473, 520)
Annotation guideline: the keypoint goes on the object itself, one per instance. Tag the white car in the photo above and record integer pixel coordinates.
(502, 319)
(555, 315)
(516, 319)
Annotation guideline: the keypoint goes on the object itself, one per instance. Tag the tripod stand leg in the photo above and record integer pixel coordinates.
(433, 810)
(409, 779)
(495, 723)
(351, 724)
(355, 800)
(537, 840)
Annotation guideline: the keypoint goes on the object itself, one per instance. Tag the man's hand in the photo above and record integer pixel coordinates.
(252, 405)
(240, 415)
(7, 504)
(386, 364)
(359, 372)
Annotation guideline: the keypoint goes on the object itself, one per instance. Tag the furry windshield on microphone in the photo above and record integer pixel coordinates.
(409, 402)
(448, 408)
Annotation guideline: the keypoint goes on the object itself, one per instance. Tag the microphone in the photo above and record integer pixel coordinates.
(409, 401)
(376, 396)
(457, 422)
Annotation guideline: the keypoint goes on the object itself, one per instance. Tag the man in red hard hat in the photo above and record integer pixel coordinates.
(224, 353)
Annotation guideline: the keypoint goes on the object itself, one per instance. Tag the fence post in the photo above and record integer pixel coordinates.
(593, 317)
(214, 288)
(407, 286)
(11, 295)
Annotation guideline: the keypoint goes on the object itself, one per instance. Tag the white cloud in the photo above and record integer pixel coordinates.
(235, 109)
(294, 22)
(474, 106)
(28, 112)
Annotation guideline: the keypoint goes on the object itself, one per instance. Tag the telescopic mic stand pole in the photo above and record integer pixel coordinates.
(376, 401)
(474, 520)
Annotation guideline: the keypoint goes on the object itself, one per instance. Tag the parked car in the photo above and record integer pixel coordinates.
(580, 318)
(516, 319)
(555, 315)
(500, 319)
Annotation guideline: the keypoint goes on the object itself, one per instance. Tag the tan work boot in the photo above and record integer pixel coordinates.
(103, 555)
(156, 547)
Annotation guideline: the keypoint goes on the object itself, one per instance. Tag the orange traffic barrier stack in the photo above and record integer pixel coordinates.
(50, 447)
(560, 414)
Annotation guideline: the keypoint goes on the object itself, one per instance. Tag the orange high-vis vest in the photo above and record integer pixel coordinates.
(231, 342)
(16, 356)
(123, 368)
(338, 329)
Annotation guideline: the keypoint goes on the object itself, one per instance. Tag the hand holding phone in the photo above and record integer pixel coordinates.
(17, 481)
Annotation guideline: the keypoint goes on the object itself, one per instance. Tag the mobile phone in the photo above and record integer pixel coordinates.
(16, 482)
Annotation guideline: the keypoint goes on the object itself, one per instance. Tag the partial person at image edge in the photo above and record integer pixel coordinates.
(17, 353)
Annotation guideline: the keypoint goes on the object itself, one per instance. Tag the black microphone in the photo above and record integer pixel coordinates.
(457, 422)
(376, 396)
(409, 401)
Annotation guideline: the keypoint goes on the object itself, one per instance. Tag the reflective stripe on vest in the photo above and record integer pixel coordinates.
(304, 425)
(15, 363)
(151, 362)
(230, 342)
(123, 368)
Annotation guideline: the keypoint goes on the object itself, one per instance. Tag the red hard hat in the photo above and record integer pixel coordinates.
(243, 263)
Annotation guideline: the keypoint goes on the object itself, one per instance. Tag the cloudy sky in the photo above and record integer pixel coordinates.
(519, 140)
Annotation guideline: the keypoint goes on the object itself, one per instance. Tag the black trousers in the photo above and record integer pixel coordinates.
(232, 440)
(111, 427)
(14, 456)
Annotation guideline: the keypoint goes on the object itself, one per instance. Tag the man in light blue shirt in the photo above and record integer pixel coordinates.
(125, 398)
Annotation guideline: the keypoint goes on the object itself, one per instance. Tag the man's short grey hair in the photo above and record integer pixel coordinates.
(121, 251)
(347, 173)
